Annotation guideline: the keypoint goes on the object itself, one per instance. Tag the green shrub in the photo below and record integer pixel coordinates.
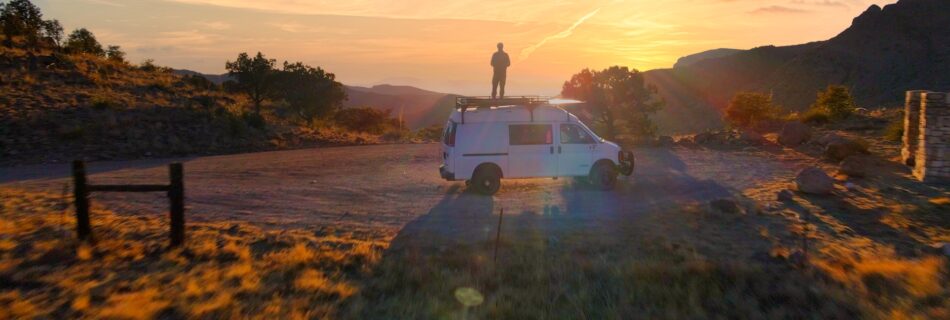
(894, 131)
(815, 116)
(236, 125)
(103, 102)
(365, 119)
(254, 120)
(836, 100)
(748, 108)
(430, 133)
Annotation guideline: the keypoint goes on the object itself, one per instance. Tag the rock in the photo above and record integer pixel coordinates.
(794, 133)
(856, 166)
(751, 137)
(840, 149)
(785, 195)
(725, 205)
(665, 141)
(814, 181)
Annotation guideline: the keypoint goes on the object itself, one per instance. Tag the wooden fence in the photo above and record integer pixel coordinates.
(175, 190)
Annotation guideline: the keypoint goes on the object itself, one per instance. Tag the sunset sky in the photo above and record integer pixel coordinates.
(446, 45)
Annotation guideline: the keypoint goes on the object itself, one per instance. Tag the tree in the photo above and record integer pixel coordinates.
(115, 53)
(21, 18)
(836, 100)
(310, 92)
(748, 108)
(617, 100)
(254, 76)
(53, 32)
(83, 41)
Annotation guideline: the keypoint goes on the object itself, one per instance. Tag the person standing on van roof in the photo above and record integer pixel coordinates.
(500, 62)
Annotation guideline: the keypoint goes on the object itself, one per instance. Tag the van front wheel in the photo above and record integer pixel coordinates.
(603, 176)
(486, 181)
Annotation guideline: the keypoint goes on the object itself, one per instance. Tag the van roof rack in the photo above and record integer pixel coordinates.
(531, 102)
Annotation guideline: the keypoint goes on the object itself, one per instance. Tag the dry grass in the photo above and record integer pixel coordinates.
(224, 271)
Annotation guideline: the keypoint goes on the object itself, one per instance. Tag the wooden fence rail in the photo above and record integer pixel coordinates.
(175, 190)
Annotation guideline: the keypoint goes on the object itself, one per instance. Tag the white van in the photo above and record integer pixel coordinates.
(525, 138)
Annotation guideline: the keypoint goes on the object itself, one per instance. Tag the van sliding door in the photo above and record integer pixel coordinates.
(531, 151)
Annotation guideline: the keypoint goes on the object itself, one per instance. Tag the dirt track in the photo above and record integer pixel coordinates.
(382, 188)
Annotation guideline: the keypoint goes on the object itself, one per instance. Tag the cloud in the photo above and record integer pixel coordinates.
(777, 10)
(560, 35)
(215, 25)
(822, 3)
(106, 3)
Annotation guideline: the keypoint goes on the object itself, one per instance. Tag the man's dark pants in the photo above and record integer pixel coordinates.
(498, 79)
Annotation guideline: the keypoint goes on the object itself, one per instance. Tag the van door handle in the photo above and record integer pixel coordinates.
(558, 149)
(552, 149)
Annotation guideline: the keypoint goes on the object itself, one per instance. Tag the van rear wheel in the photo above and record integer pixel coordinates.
(486, 181)
(603, 176)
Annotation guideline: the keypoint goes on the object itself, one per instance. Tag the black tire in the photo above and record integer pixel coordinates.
(486, 180)
(603, 176)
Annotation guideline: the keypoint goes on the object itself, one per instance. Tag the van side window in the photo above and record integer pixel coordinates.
(530, 134)
(574, 134)
(448, 136)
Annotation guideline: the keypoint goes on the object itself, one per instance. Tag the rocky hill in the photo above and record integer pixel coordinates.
(885, 52)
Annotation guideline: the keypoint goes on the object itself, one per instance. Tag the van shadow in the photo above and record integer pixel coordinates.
(573, 237)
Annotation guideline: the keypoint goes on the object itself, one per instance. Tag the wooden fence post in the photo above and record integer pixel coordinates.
(176, 195)
(81, 198)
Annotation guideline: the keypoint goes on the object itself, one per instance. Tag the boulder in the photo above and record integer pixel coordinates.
(794, 133)
(814, 181)
(840, 149)
(858, 166)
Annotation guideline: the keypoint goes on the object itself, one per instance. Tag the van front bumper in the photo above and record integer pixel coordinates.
(449, 176)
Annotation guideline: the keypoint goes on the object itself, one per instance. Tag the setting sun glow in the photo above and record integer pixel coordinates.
(446, 46)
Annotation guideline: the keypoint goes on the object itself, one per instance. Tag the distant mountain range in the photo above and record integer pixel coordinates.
(418, 108)
(883, 53)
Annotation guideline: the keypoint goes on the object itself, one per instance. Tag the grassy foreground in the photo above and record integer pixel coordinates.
(231, 271)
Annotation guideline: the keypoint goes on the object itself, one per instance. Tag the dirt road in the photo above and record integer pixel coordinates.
(384, 187)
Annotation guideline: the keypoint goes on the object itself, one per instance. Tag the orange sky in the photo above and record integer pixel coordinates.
(446, 45)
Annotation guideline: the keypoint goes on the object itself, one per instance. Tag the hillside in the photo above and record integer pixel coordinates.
(882, 54)
(58, 107)
(705, 55)
(419, 108)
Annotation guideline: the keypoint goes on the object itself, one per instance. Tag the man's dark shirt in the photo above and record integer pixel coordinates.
(500, 62)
